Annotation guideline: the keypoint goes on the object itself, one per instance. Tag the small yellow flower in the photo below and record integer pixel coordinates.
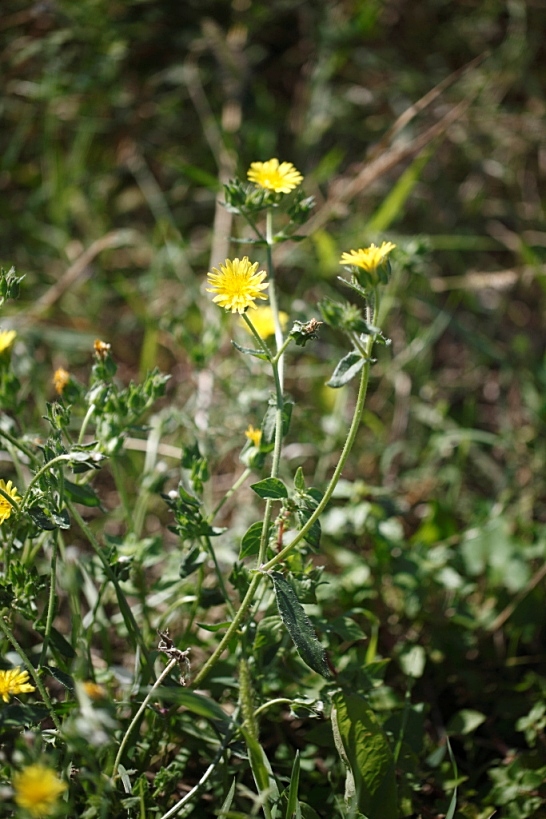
(93, 690)
(14, 681)
(5, 506)
(37, 789)
(281, 178)
(262, 319)
(60, 379)
(254, 435)
(7, 337)
(369, 258)
(237, 284)
(101, 348)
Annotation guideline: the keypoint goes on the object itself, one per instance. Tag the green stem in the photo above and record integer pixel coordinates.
(232, 628)
(219, 575)
(51, 600)
(238, 483)
(32, 671)
(85, 422)
(166, 671)
(351, 437)
(266, 705)
(45, 468)
(18, 445)
(135, 632)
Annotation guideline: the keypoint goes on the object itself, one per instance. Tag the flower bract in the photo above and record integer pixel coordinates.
(274, 176)
(5, 506)
(37, 789)
(14, 681)
(237, 284)
(263, 322)
(369, 258)
(7, 337)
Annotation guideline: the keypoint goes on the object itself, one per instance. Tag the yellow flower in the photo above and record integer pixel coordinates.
(60, 379)
(262, 319)
(369, 258)
(237, 284)
(254, 435)
(93, 690)
(102, 349)
(270, 175)
(5, 506)
(14, 681)
(37, 789)
(7, 337)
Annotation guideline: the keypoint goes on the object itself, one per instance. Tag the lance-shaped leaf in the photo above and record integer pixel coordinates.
(299, 626)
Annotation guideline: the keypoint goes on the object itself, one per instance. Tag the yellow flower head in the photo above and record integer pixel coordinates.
(5, 506)
(102, 349)
(14, 681)
(262, 319)
(37, 789)
(281, 178)
(237, 284)
(369, 258)
(254, 435)
(7, 337)
(60, 379)
(93, 690)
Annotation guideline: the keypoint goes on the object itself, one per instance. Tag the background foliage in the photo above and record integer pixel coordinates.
(119, 123)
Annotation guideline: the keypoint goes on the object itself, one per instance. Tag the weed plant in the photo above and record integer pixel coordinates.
(230, 586)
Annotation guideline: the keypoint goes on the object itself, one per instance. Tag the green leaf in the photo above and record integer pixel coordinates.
(49, 520)
(61, 644)
(270, 489)
(292, 807)
(196, 703)
(250, 543)
(313, 535)
(464, 722)
(364, 748)
(349, 366)
(299, 626)
(269, 423)
(261, 771)
(226, 804)
(65, 679)
(21, 716)
(250, 351)
(214, 627)
(83, 494)
(299, 480)
(412, 661)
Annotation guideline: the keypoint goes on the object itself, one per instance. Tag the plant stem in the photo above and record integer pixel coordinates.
(351, 437)
(18, 445)
(239, 482)
(52, 595)
(85, 422)
(45, 468)
(232, 628)
(166, 671)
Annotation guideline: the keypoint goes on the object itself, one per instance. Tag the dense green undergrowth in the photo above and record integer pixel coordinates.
(423, 589)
